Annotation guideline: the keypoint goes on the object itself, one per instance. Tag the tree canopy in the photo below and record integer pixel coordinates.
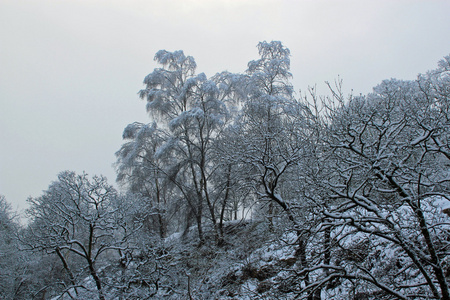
(239, 188)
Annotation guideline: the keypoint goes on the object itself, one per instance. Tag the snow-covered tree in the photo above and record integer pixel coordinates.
(191, 111)
(141, 173)
(385, 225)
(270, 138)
(358, 191)
(272, 143)
(12, 264)
(79, 219)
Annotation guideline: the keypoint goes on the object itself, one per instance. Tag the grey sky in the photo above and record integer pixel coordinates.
(70, 70)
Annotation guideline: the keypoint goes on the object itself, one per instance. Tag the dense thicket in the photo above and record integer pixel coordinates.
(237, 189)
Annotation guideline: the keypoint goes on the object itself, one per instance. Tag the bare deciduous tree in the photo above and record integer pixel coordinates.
(78, 216)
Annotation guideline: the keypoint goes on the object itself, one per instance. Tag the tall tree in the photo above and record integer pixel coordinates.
(191, 110)
(273, 141)
(272, 133)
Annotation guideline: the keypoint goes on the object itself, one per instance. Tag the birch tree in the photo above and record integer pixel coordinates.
(192, 111)
(272, 141)
(140, 172)
(270, 135)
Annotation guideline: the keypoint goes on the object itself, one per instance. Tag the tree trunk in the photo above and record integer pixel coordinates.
(98, 283)
(162, 226)
(66, 267)
(224, 205)
(161, 221)
(435, 261)
(92, 270)
(198, 218)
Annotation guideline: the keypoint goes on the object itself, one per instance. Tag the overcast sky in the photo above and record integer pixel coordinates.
(70, 70)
